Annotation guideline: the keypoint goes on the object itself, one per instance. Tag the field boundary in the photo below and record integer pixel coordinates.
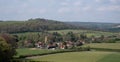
(55, 52)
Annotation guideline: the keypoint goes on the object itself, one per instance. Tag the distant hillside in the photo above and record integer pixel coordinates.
(112, 27)
(39, 25)
(33, 25)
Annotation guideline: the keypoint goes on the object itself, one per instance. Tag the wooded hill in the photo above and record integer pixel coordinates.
(33, 25)
(111, 27)
(39, 25)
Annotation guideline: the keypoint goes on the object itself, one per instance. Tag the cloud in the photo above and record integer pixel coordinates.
(68, 0)
(77, 3)
(87, 8)
(64, 10)
(98, 1)
(114, 1)
(64, 3)
(109, 8)
(73, 9)
(37, 11)
(42, 11)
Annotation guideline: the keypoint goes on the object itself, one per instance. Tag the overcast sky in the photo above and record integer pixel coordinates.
(61, 10)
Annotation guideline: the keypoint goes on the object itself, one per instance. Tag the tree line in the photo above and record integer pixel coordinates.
(33, 25)
(29, 40)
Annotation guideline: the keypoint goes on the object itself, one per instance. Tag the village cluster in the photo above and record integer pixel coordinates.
(59, 45)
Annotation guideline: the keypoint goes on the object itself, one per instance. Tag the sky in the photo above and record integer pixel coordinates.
(61, 10)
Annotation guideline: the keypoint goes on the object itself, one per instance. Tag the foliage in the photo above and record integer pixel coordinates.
(56, 37)
(70, 36)
(66, 35)
(32, 25)
(7, 47)
(110, 27)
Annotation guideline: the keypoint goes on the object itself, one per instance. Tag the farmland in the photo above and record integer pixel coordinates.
(84, 56)
(80, 56)
(104, 45)
(99, 52)
(88, 32)
(60, 31)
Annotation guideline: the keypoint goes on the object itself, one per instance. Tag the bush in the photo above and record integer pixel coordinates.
(7, 47)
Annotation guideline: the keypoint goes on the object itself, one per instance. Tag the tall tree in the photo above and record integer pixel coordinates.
(7, 47)
(71, 36)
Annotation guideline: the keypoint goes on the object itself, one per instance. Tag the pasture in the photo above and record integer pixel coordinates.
(88, 32)
(80, 57)
(104, 45)
(84, 56)
(33, 51)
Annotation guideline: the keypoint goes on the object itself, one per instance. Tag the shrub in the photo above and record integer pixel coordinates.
(7, 47)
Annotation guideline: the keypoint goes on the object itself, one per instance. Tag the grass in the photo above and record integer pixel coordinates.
(83, 56)
(80, 57)
(104, 45)
(92, 56)
(111, 58)
(28, 51)
(89, 33)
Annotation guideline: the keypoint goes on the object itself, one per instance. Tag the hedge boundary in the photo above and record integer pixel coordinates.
(59, 51)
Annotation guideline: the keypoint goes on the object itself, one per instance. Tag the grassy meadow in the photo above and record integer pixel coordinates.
(89, 33)
(104, 45)
(80, 57)
(83, 56)
(33, 51)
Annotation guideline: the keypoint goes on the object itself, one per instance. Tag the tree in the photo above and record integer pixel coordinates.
(83, 36)
(71, 36)
(7, 47)
(102, 38)
(33, 25)
(92, 38)
(56, 37)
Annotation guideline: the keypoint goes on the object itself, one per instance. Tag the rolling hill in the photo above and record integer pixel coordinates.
(33, 25)
(39, 25)
(112, 27)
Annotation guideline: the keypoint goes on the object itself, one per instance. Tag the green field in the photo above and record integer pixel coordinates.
(89, 33)
(83, 56)
(104, 45)
(33, 51)
(27, 51)
(80, 57)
